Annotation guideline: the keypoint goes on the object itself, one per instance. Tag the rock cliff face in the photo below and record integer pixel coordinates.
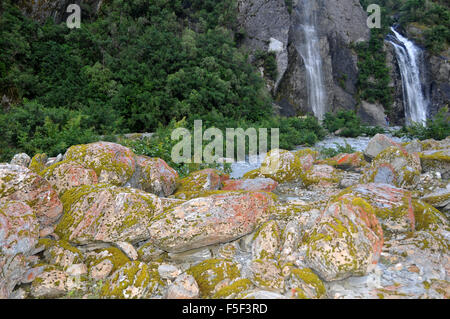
(339, 24)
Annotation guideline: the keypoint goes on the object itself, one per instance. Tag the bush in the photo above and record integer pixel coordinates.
(34, 128)
(437, 128)
(349, 124)
(329, 152)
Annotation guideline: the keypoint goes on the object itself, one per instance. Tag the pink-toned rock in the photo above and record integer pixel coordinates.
(352, 161)
(396, 209)
(394, 166)
(67, 175)
(156, 176)
(343, 243)
(253, 185)
(379, 143)
(320, 174)
(205, 180)
(210, 220)
(19, 183)
(184, 287)
(19, 233)
(105, 213)
(113, 163)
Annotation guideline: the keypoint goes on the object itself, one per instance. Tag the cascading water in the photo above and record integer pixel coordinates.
(410, 61)
(308, 46)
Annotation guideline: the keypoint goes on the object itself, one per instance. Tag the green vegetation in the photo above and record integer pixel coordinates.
(349, 124)
(437, 128)
(330, 152)
(293, 132)
(137, 67)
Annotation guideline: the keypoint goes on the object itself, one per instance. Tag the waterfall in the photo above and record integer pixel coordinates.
(308, 46)
(410, 61)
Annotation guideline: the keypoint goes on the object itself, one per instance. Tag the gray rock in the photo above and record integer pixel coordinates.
(21, 159)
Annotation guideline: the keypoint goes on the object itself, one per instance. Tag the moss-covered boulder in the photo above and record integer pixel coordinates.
(396, 209)
(344, 242)
(377, 144)
(320, 174)
(253, 185)
(211, 272)
(113, 163)
(38, 163)
(350, 162)
(266, 274)
(148, 252)
(66, 175)
(305, 284)
(105, 213)
(437, 161)
(205, 180)
(103, 262)
(19, 233)
(281, 166)
(133, 280)
(394, 166)
(60, 253)
(439, 198)
(155, 176)
(266, 241)
(51, 283)
(307, 157)
(210, 220)
(19, 183)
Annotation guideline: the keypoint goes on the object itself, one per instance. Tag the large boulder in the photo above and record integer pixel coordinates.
(209, 220)
(209, 273)
(346, 242)
(305, 284)
(394, 166)
(19, 183)
(377, 144)
(66, 175)
(253, 185)
(155, 176)
(320, 174)
(281, 166)
(439, 198)
(396, 209)
(266, 242)
(113, 163)
(436, 160)
(19, 233)
(108, 213)
(201, 181)
(351, 162)
(134, 280)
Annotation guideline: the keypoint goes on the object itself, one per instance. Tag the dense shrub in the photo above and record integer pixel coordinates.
(349, 124)
(437, 128)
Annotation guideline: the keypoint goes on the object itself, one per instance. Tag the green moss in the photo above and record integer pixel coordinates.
(103, 161)
(134, 274)
(38, 162)
(308, 277)
(210, 272)
(234, 289)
